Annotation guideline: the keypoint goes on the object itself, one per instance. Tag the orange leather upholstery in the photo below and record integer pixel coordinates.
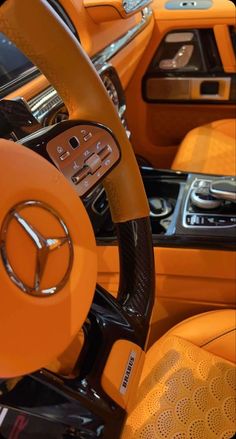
(187, 389)
(210, 149)
(213, 331)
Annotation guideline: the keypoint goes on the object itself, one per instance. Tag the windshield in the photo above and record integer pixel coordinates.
(12, 61)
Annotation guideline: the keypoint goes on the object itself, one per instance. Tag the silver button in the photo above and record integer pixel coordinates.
(87, 137)
(94, 162)
(64, 156)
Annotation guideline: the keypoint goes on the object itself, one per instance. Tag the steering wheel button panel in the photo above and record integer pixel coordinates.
(85, 166)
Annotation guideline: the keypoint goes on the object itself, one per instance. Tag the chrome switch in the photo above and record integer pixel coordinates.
(79, 176)
(104, 153)
(180, 60)
(93, 162)
(64, 156)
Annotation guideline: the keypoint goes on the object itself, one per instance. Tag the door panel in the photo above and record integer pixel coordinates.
(198, 90)
(187, 68)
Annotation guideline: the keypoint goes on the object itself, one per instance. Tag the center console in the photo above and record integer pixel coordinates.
(207, 212)
(210, 204)
(186, 210)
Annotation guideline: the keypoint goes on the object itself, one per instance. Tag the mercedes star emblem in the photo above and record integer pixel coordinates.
(44, 246)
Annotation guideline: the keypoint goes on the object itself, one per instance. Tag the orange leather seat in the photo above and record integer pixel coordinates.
(209, 149)
(187, 389)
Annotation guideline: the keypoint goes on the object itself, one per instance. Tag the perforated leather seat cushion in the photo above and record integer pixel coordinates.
(210, 149)
(187, 392)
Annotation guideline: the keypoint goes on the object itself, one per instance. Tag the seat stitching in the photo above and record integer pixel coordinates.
(218, 336)
(195, 317)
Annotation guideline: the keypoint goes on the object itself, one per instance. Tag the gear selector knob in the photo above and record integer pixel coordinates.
(224, 189)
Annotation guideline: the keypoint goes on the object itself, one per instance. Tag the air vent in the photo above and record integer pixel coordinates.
(114, 89)
(44, 104)
(64, 16)
(111, 90)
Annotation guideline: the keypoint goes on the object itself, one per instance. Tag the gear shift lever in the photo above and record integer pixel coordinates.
(224, 189)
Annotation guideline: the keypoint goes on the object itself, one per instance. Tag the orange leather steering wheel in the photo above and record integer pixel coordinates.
(48, 255)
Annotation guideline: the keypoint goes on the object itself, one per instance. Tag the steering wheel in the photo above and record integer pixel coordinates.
(48, 253)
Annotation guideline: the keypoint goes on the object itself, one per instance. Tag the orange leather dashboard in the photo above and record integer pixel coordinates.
(105, 10)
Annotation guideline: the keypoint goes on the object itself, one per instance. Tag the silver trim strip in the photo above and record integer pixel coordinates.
(106, 54)
(39, 104)
(6, 88)
(131, 6)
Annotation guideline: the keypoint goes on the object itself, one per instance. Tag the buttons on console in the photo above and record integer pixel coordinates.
(210, 221)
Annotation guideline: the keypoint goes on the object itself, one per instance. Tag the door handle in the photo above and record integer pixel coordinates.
(180, 60)
(222, 93)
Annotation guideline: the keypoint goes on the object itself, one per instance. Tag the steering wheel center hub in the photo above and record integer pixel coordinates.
(28, 218)
(48, 264)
